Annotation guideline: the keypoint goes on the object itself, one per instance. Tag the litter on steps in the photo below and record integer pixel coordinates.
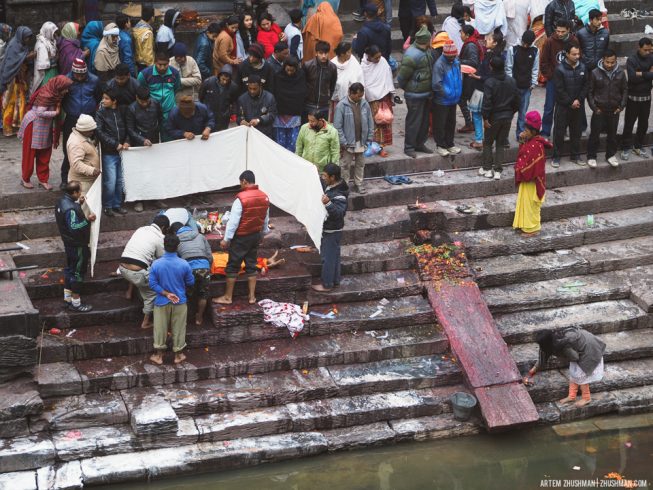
(282, 315)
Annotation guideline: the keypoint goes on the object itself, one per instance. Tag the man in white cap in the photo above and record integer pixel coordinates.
(83, 154)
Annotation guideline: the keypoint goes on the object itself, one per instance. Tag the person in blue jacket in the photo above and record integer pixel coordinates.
(447, 85)
(82, 98)
(125, 48)
(374, 31)
(203, 53)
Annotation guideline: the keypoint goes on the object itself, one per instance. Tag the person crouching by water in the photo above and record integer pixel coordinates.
(583, 350)
(530, 176)
(249, 217)
(169, 277)
(334, 199)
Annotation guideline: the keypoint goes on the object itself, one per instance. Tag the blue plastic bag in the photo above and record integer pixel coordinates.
(372, 149)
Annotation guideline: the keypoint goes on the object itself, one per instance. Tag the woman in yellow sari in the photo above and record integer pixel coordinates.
(13, 79)
(324, 25)
(530, 176)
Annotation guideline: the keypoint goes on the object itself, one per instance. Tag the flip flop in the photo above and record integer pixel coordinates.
(404, 180)
(464, 209)
(27, 185)
(45, 185)
(393, 179)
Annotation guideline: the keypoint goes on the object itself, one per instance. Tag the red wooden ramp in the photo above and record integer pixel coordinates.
(482, 354)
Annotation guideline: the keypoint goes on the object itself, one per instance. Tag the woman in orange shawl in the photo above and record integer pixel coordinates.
(324, 25)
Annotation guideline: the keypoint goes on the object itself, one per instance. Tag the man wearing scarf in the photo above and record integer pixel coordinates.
(91, 37)
(45, 62)
(69, 47)
(107, 56)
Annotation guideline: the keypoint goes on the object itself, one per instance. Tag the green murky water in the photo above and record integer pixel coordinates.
(531, 459)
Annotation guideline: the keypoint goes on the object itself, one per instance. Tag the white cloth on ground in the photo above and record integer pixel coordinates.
(284, 315)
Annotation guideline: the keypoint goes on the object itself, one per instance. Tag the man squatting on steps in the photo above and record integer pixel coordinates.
(169, 277)
(249, 217)
(75, 231)
(144, 246)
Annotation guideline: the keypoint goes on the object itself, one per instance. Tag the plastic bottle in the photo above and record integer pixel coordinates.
(438, 173)
(590, 220)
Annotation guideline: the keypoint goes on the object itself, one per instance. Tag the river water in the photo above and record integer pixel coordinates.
(528, 459)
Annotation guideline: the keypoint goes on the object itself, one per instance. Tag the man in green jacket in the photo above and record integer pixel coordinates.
(163, 81)
(318, 141)
(415, 78)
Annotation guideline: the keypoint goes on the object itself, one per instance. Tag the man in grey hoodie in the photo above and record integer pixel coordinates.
(195, 249)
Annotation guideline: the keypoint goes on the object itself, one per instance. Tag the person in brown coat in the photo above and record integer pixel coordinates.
(224, 48)
(83, 154)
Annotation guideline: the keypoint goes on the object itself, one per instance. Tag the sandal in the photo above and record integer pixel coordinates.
(45, 185)
(27, 185)
(397, 100)
(82, 308)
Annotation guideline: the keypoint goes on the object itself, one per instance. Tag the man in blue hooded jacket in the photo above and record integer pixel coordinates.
(447, 85)
(374, 32)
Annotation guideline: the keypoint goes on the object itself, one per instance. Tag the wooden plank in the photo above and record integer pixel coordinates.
(506, 406)
(475, 340)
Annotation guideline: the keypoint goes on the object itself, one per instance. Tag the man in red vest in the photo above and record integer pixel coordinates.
(250, 214)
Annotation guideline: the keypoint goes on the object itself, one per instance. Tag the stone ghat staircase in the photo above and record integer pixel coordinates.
(99, 412)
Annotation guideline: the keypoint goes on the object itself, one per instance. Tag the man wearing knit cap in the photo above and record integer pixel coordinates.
(415, 78)
(257, 107)
(447, 87)
(191, 77)
(83, 154)
(82, 98)
(189, 119)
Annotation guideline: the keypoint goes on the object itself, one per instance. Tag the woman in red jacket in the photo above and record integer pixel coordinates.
(269, 34)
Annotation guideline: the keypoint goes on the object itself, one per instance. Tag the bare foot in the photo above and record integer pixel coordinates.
(198, 321)
(581, 403)
(179, 358)
(252, 301)
(223, 300)
(527, 235)
(129, 292)
(156, 359)
(566, 400)
(274, 256)
(146, 325)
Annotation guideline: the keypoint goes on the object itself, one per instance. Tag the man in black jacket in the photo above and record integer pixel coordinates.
(143, 118)
(374, 32)
(570, 79)
(112, 133)
(75, 230)
(257, 107)
(638, 107)
(607, 97)
(559, 10)
(124, 85)
(321, 77)
(334, 199)
(500, 102)
(594, 40)
(219, 94)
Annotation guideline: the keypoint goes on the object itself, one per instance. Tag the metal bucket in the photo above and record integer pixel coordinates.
(462, 404)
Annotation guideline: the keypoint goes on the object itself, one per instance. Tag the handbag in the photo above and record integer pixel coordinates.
(384, 115)
(476, 101)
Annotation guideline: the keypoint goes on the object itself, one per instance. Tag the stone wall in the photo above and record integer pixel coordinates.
(34, 13)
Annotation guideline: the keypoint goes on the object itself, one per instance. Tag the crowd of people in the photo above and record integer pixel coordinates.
(103, 88)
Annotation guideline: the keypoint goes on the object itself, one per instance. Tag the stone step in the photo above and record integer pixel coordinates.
(106, 456)
(587, 259)
(557, 292)
(119, 373)
(320, 415)
(598, 317)
(372, 286)
(560, 203)
(367, 258)
(620, 346)
(560, 234)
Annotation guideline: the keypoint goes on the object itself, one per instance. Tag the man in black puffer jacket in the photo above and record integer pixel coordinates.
(334, 199)
(559, 10)
(374, 32)
(112, 133)
(594, 40)
(638, 107)
(570, 79)
(607, 97)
